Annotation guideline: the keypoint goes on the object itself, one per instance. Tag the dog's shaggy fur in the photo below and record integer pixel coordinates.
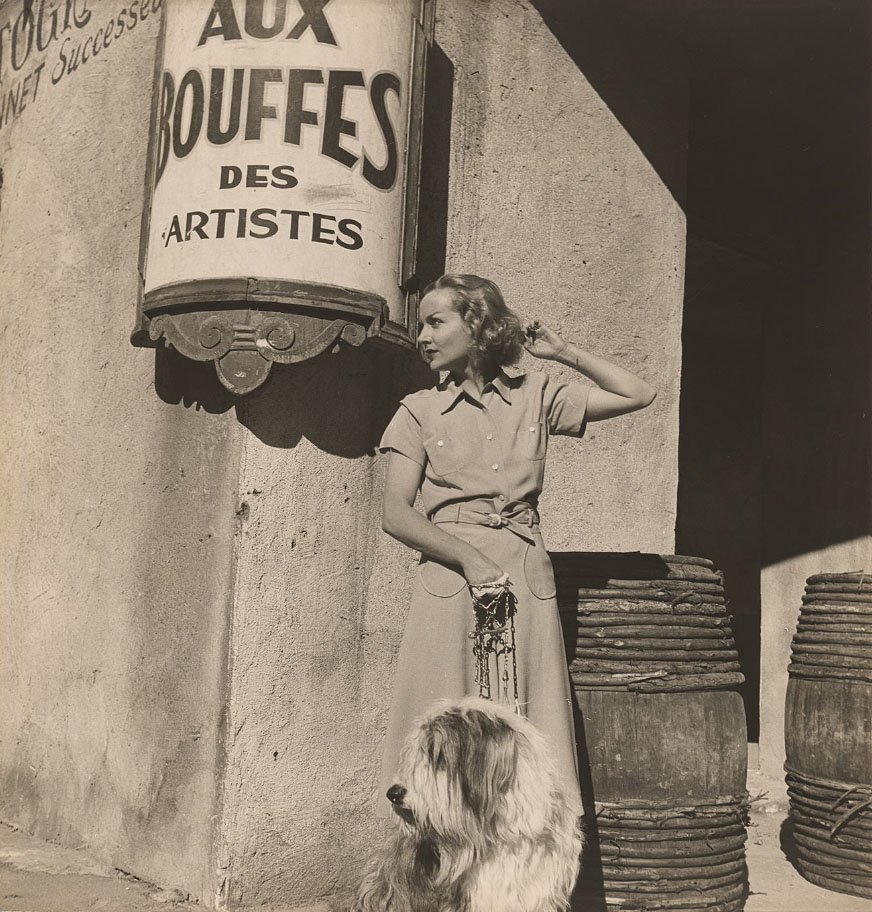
(485, 825)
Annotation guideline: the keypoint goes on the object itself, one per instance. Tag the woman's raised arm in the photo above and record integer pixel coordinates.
(617, 391)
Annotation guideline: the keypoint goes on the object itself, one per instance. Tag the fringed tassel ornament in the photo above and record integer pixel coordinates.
(494, 606)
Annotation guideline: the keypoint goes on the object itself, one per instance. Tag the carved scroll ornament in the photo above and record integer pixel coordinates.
(250, 324)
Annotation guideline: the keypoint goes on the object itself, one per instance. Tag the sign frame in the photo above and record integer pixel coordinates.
(245, 323)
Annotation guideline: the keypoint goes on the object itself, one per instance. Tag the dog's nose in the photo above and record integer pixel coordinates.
(396, 793)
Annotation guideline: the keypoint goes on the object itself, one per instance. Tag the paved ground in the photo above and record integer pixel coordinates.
(38, 877)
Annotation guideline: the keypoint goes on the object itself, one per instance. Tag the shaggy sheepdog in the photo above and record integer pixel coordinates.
(484, 823)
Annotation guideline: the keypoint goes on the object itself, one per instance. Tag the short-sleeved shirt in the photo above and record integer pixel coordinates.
(490, 445)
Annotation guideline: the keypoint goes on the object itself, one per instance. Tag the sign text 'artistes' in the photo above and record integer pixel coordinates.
(263, 222)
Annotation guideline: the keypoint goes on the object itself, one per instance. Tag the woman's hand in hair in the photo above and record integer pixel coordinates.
(542, 342)
(619, 392)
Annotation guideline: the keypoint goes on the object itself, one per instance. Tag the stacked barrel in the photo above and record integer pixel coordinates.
(828, 733)
(661, 730)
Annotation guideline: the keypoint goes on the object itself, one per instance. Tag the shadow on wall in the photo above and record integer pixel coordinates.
(340, 402)
(350, 396)
(776, 313)
(620, 51)
(719, 466)
(817, 444)
(181, 381)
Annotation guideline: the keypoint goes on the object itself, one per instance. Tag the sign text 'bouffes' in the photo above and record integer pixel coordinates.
(222, 21)
(223, 105)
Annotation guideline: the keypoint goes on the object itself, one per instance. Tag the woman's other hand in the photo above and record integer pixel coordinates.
(541, 341)
(480, 570)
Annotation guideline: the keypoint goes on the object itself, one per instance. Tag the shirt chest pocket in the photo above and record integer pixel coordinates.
(447, 452)
(532, 438)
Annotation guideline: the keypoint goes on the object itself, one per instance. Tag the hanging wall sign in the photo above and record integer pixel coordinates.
(283, 178)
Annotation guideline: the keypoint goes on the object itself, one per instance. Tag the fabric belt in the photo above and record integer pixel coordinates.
(517, 516)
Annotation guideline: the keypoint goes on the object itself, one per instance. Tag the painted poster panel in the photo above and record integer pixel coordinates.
(280, 144)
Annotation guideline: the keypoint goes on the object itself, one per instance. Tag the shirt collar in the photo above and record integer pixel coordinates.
(451, 392)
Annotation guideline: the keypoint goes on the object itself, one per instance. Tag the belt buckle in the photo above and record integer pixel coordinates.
(495, 520)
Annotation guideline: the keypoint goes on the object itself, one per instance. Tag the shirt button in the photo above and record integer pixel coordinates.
(501, 497)
(440, 443)
(532, 428)
(495, 467)
(490, 436)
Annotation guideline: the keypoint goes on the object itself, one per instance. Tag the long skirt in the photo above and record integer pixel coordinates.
(436, 659)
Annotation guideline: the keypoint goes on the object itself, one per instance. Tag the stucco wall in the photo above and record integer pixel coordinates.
(548, 194)
(318, 599)
(118, 506)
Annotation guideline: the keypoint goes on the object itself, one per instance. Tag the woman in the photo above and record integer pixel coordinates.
(474, 446)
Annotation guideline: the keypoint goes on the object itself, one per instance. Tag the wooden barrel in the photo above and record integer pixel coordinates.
(828, 733)
(661, 730)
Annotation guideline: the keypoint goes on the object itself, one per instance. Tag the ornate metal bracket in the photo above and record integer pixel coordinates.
(246, 325)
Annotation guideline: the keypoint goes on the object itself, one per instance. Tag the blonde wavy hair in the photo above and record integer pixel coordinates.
(497, 337)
